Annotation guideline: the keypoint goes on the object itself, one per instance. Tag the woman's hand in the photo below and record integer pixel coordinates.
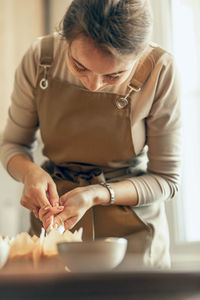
(46, 213)
(76, 202)
(39, 190)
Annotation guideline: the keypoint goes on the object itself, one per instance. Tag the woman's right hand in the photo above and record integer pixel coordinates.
(40, 193)
(39, 190)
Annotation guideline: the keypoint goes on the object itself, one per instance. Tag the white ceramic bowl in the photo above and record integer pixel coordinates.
(92, 256)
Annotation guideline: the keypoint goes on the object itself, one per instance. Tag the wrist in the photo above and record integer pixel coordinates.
(111, 192)
(101, 195)
(18, 166)
(29, 169)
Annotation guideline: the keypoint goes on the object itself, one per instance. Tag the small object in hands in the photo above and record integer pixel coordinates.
(60, 229)
(100, 255)
(50, 228)
(111, 191)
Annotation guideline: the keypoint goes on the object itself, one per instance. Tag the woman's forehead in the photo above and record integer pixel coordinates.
(86, 53)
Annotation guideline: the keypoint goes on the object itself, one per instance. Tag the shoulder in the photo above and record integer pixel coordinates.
(58, 42)
(163, 65)
(164, 55)
(163, 60)
(35, 47)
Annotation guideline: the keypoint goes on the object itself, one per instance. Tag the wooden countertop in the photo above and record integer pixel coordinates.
(57, 284)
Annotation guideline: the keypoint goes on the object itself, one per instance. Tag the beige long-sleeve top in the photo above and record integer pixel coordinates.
(155, 117)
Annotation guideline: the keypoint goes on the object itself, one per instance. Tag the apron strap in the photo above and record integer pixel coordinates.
(143, 71)
(145, 68)
(46, 58)
(47, 49)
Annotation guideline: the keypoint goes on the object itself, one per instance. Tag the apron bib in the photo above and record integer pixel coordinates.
(84, 134)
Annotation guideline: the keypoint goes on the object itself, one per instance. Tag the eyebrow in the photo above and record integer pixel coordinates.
(77, 62)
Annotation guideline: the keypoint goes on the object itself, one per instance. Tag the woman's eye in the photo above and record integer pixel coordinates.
(112, 78)
(78, 69)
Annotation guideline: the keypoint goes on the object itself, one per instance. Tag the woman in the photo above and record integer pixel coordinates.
(105, 101)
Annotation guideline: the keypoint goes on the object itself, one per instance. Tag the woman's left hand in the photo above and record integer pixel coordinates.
(74, 205)
(76, 202)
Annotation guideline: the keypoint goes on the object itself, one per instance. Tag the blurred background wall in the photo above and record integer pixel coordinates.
(20, 22)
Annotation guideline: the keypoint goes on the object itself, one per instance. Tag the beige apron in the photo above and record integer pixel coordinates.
(84, 134)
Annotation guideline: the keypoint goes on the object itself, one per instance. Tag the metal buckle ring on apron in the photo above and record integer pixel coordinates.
(44, 81)
(123, 101)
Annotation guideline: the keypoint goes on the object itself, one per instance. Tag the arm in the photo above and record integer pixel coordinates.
(20, 134)
(39, 188)
(163, 137)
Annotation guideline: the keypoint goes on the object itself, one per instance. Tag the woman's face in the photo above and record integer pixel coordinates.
(96, 68)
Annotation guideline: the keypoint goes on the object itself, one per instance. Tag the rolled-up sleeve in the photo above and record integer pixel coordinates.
(163, 138)
(22, 122)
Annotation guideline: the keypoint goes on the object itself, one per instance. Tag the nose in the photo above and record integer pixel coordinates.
(94, 82)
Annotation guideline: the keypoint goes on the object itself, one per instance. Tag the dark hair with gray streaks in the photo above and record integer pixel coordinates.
(118, 26)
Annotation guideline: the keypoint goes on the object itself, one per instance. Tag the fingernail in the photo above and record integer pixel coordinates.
(60, 207)
(46, 207)
(48, 220)
(47, 223)
(35, 213)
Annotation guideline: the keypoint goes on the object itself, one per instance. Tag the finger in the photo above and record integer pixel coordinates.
(43, 211)
(63, 199)
(60, 218)
(27, 204)
(48, 209)
(65, 218)
(70, 223)
(35, 196)
(47, 222)
(41, 198)
(53, 194)
(45, 218)
(36, 212)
